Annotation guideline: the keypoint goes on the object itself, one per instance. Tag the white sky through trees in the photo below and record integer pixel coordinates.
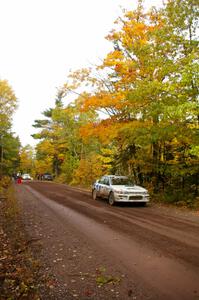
(41, 40)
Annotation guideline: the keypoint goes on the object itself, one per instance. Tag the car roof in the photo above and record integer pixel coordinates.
(115, 176)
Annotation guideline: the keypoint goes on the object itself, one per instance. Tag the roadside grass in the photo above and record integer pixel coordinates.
(178, 199)
(18, 269)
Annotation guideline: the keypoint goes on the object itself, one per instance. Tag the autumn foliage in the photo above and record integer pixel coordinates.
(137, 112)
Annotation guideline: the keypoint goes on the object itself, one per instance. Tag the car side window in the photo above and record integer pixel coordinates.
(101, 181)
(106, 181)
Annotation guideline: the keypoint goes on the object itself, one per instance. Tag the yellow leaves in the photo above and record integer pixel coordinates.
(130, 15)
(117, 54)
(8, 104)
(43, 166)
(46, 147)
(123, 66)
(75, 80)
(135, 29)
(7, 95)
(134, 32)
(26, 159)
(113, 36)
(88, 170)
(113, 58)
(61, 156)
(80, 75)
(45, 152)
(93, 167)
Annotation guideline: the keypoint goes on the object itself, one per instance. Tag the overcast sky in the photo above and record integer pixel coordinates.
(41, 40)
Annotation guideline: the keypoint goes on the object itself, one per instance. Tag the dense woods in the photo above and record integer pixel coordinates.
(135, 113)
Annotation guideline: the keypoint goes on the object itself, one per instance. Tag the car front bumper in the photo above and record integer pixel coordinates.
(131, 198)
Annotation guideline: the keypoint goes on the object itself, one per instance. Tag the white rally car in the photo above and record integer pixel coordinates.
(119, 189)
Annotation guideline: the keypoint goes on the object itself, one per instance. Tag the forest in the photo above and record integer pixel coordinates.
(136, 113)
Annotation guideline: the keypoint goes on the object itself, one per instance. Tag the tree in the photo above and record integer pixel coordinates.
(148, 90)
(8, 104)
(27, 159)
(9, 145)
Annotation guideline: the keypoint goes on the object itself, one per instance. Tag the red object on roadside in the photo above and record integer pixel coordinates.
(19, 180)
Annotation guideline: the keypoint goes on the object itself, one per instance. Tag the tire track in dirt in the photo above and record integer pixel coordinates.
(158, 249)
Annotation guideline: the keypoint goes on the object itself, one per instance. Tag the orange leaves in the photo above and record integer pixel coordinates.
(104, 100)
(134, 33)
(110, 129)
(124, 67)
(106, 131)
(116, 55)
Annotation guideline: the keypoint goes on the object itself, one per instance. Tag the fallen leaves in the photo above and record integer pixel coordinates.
(18, 271)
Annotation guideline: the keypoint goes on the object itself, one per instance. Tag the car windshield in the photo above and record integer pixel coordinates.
(121, 181)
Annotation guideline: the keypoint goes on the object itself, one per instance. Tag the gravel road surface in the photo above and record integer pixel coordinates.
(91, 250)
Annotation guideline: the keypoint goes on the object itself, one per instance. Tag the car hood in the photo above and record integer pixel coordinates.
(134, 188)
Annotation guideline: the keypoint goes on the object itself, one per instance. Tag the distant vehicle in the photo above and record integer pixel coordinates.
(47, 177)
(119, 189)
(26, 177)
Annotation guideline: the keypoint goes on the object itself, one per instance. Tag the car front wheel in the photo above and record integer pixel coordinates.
(111, 199)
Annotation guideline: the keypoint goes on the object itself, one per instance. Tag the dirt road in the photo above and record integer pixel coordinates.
(94, 251)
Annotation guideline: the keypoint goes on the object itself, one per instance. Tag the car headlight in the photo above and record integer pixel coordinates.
(119, 191)
(146, 194)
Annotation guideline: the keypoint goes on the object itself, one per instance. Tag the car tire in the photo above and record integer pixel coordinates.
(94, 194)
(111, 199)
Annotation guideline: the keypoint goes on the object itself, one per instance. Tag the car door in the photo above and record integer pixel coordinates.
(106, 187)
(100, 187)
